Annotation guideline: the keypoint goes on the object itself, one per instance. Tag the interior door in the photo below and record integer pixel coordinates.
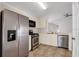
(77, 38)
(24, 38)
(10, 41)
(75, 22)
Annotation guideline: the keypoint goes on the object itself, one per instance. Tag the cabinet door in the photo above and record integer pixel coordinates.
(10, 22)
(43, 23)
(24, 36)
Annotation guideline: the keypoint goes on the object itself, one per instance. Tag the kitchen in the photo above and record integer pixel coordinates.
(41, 30)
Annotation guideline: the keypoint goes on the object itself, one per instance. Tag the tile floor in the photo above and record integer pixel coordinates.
(50, 51)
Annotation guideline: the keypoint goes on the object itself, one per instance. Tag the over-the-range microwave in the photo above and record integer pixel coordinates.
(32, 23)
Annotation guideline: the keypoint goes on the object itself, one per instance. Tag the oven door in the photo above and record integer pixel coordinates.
(34, 42)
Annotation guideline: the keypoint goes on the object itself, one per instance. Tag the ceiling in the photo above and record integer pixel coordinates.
(54, 11)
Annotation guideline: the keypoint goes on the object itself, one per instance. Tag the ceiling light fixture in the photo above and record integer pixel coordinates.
(42, 5)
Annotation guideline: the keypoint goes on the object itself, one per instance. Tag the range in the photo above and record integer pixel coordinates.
(34, 40)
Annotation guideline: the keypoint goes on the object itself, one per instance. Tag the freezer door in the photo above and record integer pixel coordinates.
(24, 36)
(10, 41)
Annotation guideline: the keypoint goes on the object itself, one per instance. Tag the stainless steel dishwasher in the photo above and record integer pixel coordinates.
(62, 41)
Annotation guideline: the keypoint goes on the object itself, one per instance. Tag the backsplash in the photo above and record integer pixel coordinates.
(35, 30)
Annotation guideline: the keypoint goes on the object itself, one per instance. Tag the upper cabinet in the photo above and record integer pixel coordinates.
(43, 23)
(37, 24)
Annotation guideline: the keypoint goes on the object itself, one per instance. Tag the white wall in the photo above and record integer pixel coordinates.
(52, 28)
(65, 27)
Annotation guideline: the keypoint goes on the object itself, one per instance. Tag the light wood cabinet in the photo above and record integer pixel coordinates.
(43, 23)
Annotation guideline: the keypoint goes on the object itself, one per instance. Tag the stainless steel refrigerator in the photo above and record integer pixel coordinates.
(14, 37)
(62, 41)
